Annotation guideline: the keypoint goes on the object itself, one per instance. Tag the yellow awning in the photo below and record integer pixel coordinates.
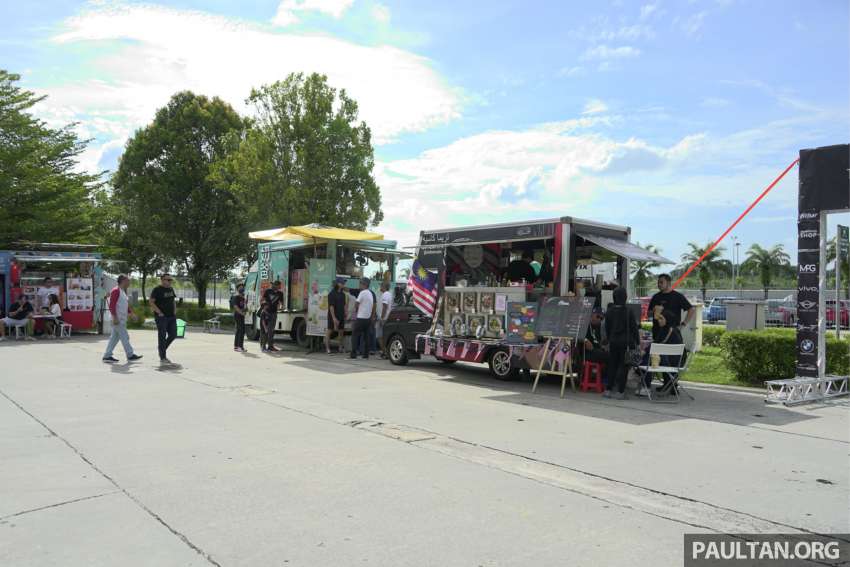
(313, 231)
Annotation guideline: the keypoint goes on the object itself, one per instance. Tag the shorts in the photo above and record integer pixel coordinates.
(9, 322)
(331, 323)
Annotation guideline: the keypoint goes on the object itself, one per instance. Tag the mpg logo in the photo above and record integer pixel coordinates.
(807, 346)
(809, 233)
(808, 268)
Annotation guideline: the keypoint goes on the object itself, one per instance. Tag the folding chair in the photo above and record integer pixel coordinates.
(673, 372)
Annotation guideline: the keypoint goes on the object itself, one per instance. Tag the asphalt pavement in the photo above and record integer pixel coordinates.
(313, 460)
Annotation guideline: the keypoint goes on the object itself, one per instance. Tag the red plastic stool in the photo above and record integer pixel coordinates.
(591, 377)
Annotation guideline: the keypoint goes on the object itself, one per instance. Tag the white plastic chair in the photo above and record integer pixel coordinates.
(674, 372)
(64, 330)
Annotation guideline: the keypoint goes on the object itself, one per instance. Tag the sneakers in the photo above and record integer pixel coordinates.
(134, 358)
(109, 359)
(607, 394)
(164, 360)
(619, 396)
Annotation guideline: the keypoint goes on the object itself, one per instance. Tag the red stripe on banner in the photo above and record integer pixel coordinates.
(430, 298)
(734, 224)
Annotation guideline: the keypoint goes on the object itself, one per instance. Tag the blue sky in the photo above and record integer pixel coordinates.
(667, 116)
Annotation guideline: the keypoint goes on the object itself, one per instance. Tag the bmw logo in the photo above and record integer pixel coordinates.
(807, 345)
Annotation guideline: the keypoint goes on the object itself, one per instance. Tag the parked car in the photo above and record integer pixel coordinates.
(844, 312)
(781, 312)
(404, 323)
(715, 310)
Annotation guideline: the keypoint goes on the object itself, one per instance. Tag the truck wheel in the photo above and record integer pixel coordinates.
(500, 365)
(397, 350)
(299, 333)
(254, 332)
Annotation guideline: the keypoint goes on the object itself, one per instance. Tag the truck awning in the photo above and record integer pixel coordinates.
(314, 231)
(66, 259)
(625, 249)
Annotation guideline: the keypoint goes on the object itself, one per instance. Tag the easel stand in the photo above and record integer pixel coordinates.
(553, 346)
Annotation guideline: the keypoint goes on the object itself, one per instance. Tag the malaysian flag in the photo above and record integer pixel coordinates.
(423, 285)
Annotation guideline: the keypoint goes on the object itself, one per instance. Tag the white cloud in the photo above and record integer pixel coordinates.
(647, 10)
(288, 10)
(714, 102)
(381, 13)
(158, 51)
(693, 24)
(568, 71)
(594, 106)
(604, 52)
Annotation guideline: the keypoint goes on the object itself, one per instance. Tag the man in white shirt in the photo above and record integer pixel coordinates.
(384, 314)
(119, 309)
(47, 288)
(365, 306)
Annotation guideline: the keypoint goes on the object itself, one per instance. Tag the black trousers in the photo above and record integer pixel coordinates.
(239, 339)
(617, 369)
(166, 329)
(268, 322)
(360, 335)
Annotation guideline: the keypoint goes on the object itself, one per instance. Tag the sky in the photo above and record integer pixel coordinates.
(666, 116)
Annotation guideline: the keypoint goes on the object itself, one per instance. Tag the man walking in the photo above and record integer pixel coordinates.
(119, 309)
(237, 305)
(269, 305)
(162, 303)
(386, 307)
(365, 306)
(336, 315)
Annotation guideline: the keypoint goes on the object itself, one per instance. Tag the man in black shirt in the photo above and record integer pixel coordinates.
(237, 305)
(269, 305)
(20, 315)
(162, 303)
(336, 315)
(667, 299)
(519, 270)
(593, 348)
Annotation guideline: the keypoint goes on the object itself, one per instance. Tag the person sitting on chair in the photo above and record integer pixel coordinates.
(594, 351)
(20, 315)
(664, 332)
(54, 309)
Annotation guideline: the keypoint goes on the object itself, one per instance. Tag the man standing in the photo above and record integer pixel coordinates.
(269, 305)
(237, 305)
(667, 299)
(47, 288)
(19, 315)
(336, 315)
(386, 307)
(119, 308)
(521, 270)
(162, 303)
(365, 312)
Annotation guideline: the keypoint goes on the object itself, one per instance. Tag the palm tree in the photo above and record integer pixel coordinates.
(641, 268)
(766, 262)
(712, 265)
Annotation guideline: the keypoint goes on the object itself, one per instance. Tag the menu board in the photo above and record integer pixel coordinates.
(564, 317)
(298, 290)
(521, 319)
(79, 296)
(321, 276)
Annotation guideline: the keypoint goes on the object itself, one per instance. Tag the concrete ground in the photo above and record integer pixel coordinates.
(296, 459)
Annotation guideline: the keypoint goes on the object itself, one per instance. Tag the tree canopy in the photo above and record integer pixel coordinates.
(170, 206)
(306, 158)
(712, 265)
(45, 199)
(766, 262)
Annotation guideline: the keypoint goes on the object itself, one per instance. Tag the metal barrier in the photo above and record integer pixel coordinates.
(798, 391)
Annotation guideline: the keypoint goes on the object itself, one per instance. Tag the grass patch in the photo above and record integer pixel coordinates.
(708, 367)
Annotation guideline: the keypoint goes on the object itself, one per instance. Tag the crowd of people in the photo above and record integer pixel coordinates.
(21, 313)
(613, 336)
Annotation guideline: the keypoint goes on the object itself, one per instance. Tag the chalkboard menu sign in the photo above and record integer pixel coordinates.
(564, 317)
(521, 320)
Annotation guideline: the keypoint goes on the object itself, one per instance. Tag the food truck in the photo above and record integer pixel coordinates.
(76, 273)
(482, 316)
(307, 260)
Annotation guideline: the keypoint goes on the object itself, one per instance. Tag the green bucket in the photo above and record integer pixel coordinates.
(181, 329)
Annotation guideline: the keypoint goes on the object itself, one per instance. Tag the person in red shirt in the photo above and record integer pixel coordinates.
(119, 309)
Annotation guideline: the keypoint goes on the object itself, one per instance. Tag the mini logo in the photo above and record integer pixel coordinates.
(809, 233)
(808, 216)
(807, 304)
(808, 288)
(808, 268)
(807, 346)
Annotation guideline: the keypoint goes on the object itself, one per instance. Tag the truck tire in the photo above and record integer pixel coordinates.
(500, 365)
(254, 332)
(397, 350)
(299, 333)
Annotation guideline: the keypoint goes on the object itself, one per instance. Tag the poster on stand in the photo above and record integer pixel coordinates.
(321, 278)
(80, 296)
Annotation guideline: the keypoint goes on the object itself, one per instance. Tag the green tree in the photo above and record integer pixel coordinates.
(766, 263)
(642, 269)
(44, 198)
(845, 264)
(712, 265)
(305, 160)
(173, 207)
